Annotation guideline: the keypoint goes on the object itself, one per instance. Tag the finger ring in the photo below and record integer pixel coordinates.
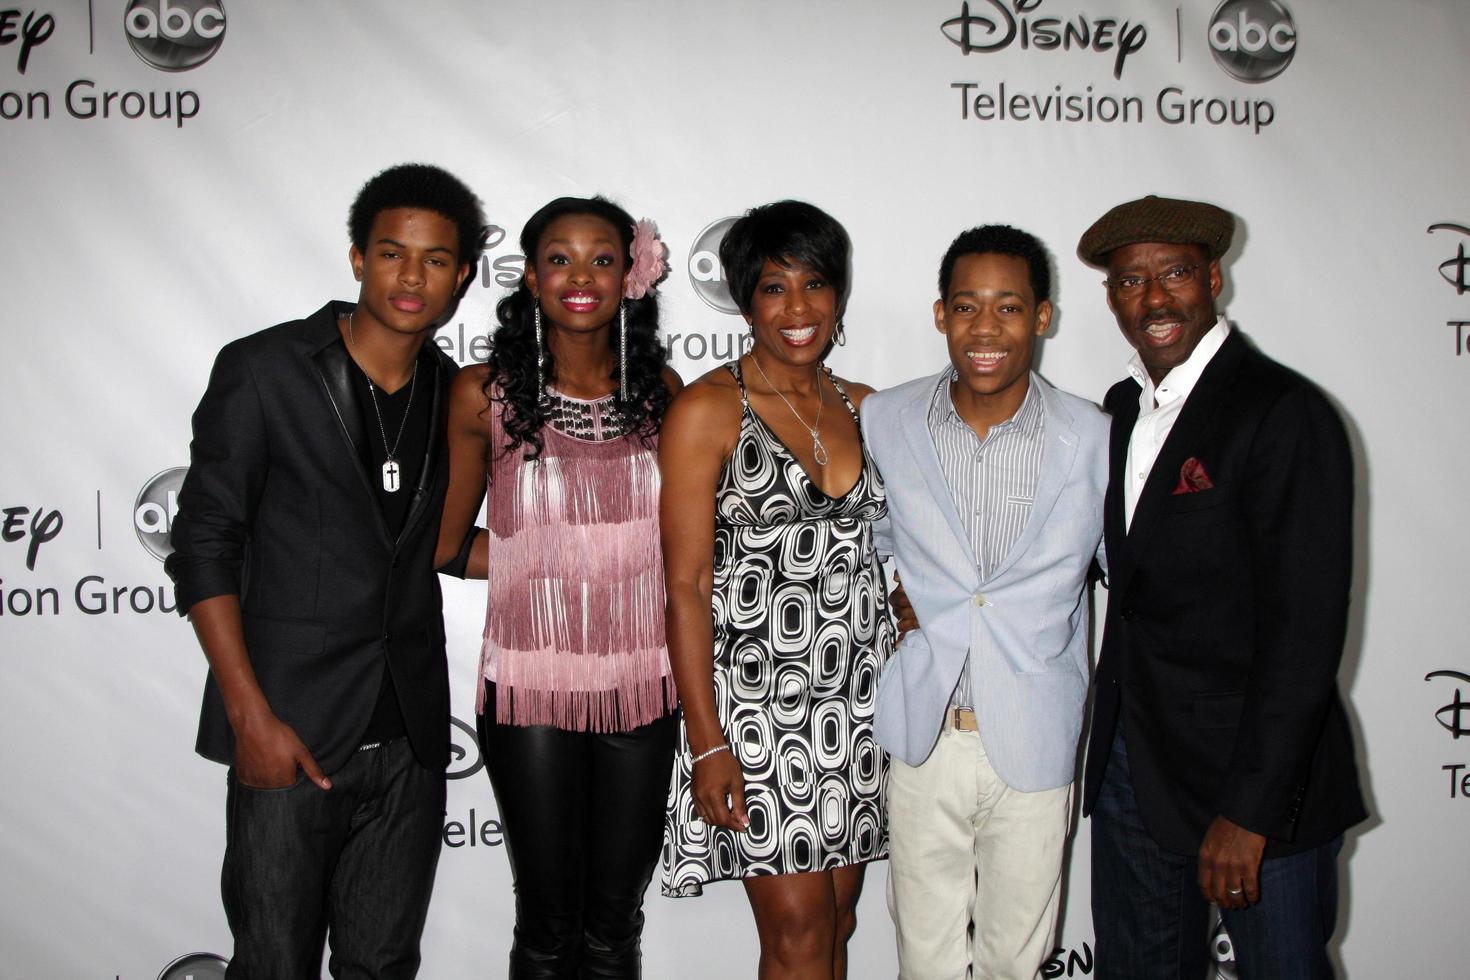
(1234, 891)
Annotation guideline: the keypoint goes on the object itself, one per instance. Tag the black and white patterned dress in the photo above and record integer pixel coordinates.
(801, 631)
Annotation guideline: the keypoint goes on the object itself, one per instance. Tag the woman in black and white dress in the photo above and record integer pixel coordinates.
(778, 620)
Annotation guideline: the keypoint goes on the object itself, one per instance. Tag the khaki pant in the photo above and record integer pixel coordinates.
(965, 848)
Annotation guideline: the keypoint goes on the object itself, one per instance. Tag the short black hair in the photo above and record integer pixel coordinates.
(429, 188)
(785, 232)
(596, 207)
(999, 240)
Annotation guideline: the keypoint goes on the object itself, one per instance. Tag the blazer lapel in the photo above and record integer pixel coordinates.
(1123, 406)
(433, 450)
(1058, 453)
(914, 418)
(1192, 429)
(335, 369)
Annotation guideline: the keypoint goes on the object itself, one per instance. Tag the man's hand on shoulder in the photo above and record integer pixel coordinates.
(1230, 864)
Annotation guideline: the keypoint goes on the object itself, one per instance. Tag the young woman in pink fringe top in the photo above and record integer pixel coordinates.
(576, 699)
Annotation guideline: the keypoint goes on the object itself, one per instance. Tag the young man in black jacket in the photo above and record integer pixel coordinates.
(304, 547)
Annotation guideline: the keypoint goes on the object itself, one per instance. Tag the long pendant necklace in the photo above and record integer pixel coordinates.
(392, 472)
(819, 451)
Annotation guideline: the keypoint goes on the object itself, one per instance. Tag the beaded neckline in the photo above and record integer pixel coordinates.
(587, 419)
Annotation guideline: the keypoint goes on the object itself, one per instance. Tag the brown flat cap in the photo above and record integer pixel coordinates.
(1158, 219)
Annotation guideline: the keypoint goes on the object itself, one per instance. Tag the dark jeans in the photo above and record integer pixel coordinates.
(1151, 921)
(583, 816)
(354, 863)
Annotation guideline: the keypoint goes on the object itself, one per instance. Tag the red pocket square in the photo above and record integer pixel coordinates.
(1192, 477)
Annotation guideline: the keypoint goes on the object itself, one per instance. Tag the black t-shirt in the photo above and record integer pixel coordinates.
(412, 401)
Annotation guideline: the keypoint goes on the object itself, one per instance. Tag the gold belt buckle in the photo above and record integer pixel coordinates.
(963, 719)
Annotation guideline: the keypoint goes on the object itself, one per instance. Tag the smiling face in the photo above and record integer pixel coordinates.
(1164, 323)
(410, 271)
(577, 273)
(990, 321)
(793, 312)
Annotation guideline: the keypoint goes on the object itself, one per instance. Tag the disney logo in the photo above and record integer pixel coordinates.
(1454, 269)
(464, 755)
(1455, 716)
(998, 25)
(31, 33)
(43, 526)
(1067, 963)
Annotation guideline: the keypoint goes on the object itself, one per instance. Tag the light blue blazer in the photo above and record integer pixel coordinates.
(1024, 629)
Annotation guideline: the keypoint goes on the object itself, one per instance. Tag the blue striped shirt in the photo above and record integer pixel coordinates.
(992, 481)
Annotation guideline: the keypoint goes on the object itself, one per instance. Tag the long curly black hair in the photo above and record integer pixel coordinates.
(512, 359)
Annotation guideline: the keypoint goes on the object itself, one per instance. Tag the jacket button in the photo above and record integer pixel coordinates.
(1127, 614)
(980, 599)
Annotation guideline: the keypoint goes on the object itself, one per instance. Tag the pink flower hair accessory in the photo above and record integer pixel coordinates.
(648, 266)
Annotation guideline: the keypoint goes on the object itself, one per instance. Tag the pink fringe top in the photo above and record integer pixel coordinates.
(574, 625)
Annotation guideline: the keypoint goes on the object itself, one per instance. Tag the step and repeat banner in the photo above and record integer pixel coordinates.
(176, 173)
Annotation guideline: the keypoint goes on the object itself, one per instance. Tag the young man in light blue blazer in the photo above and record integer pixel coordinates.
(995, 486)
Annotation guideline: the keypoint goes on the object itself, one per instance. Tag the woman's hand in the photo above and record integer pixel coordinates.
(903, 610)
(719, 791)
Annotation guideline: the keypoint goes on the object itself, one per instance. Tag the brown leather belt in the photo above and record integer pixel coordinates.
(962, 720)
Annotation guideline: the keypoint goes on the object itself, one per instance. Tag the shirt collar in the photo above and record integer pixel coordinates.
(1028, 417)
(941, 406)
(1182, 378)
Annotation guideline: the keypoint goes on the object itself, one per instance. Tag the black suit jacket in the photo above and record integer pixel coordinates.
(279, 509)
(1227, 613)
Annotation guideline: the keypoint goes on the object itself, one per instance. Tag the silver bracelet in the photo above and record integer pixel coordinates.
(722, 747)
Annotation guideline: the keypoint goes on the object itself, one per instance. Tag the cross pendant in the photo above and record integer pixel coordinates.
(390, 476)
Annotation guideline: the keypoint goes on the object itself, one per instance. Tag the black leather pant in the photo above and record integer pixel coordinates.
(583, 817)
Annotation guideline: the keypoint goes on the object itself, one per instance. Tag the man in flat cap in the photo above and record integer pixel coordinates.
(1220, 769)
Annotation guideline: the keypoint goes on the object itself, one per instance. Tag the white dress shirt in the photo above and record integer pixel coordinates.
(1159, 408)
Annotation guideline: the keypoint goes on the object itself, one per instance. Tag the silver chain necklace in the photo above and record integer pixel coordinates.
(392, 472)
(819, 451)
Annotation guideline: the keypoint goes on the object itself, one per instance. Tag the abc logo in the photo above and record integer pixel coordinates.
(1253, 40)
(195, 966)
(175, 35)
(704, 267)
(153, 513)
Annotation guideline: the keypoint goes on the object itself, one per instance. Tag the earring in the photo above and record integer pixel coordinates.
(623, 352)
(540, 357)
(841, 334)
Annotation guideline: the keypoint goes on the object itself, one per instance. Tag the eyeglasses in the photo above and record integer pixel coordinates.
(1171, 279)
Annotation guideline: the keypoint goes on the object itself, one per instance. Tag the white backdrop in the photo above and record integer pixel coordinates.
(136, 246)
